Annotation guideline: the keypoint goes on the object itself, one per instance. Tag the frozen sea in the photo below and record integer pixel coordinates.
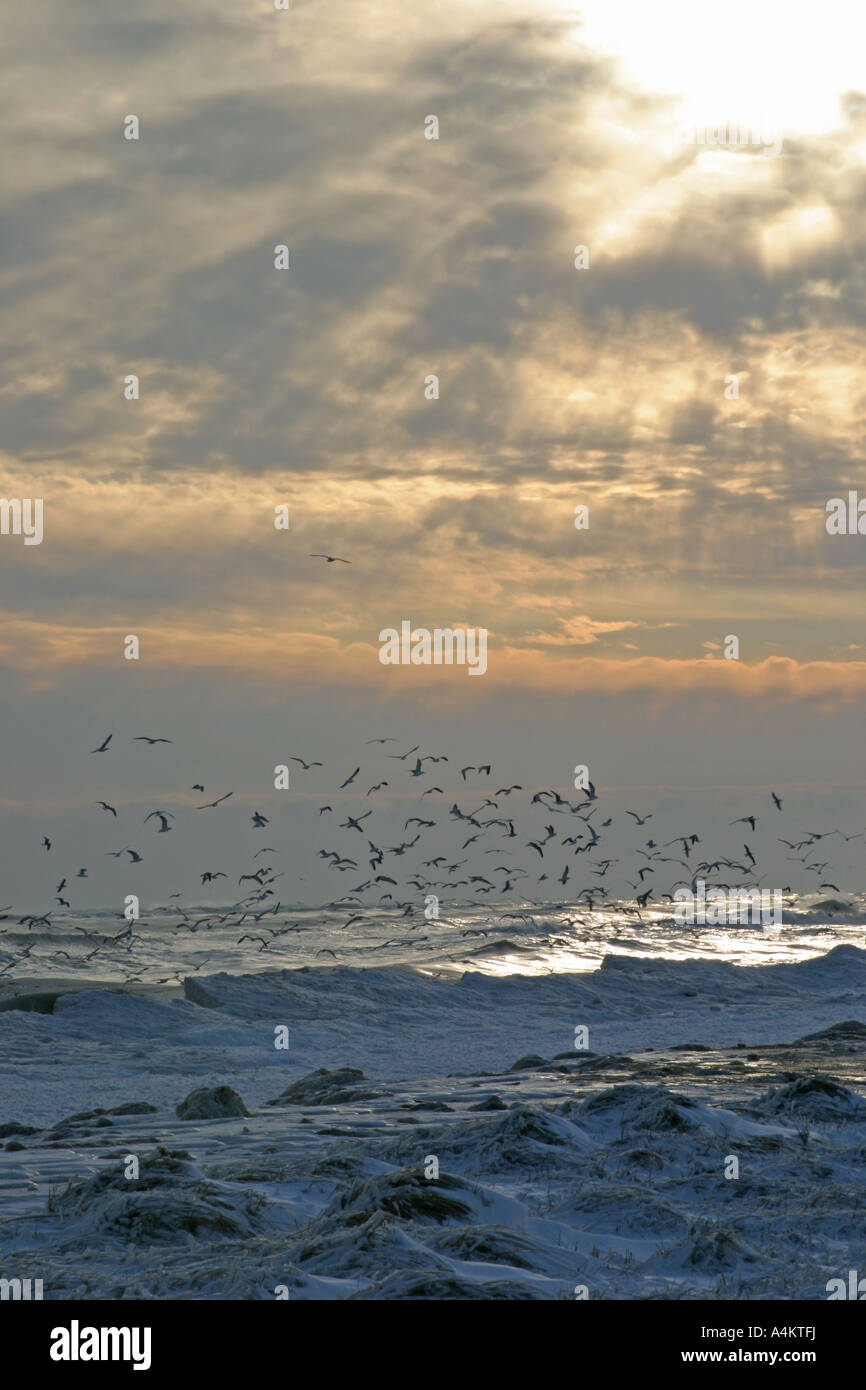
(530, 1102)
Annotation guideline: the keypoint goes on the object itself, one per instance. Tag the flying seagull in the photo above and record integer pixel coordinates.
(103, 746)
(330, 558)
(105, 806)
(143, 738)
(208, 804)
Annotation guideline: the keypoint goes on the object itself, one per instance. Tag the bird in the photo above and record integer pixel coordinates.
(46, 842)
(641, 820)
(259, 820)
(381, 740)
(82, 873)
(305, 766)
(105, 806)
(208, 804)
(316, 555)
(777, 800)
(164, 827)
(197, 787)
(143, 738)
(350, 780)
(103, 746)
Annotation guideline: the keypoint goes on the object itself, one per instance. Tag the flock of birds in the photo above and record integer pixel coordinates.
(504, 844)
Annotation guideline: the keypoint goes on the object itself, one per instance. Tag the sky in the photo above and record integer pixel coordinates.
(608, 387)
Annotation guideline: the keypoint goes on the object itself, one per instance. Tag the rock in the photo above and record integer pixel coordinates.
(31, 1003)
(850, 1029)
(211, 1103)
(528, 1062)
(325, 1087)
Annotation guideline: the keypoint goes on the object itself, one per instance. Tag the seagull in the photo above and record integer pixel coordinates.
(197, 787)
(351, 779)
(164, 819)
(777, 800)
(208, 804)
(329, 558)
(82, 873)
(381, 740)
(134, 856)
(46, 842)
(103, 746)
(641, 820)
(258, 820)
(305, 766)
(143, 738)
(105, 806)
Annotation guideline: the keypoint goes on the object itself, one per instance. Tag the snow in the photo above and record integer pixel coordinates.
(603, 1168)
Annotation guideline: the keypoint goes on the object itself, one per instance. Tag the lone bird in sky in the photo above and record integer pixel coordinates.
(330, 558)
(208, 804)
(103, 746)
